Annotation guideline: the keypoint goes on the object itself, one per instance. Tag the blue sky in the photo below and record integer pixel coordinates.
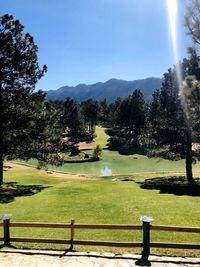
(88, 41)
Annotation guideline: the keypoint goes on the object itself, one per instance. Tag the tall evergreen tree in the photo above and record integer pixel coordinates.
(191, 101)
(103, 112)
(90, 109)
(172, 119)
(154, 119)
(191, 87)
(172, 127)
(113, 111)
(192, 20)
(73, 121)
(19, 105)
(130, 123)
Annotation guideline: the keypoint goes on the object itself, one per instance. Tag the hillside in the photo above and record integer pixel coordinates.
(110, 89)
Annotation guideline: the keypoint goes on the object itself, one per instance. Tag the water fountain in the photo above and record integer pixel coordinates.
(105, 171)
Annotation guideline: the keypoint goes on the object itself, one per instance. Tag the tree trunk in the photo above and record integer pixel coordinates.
(1, 169)
(188, 162)
(1, 136)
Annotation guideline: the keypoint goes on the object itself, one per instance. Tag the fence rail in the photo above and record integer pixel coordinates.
(174, 245)
(145, 227)
(175, 228)
(79, 226)
(77, 242)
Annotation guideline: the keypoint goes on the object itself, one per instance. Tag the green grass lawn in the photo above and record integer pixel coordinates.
(99, 201)
(101, 137)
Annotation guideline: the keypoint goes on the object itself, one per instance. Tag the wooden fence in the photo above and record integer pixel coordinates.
(145, 227)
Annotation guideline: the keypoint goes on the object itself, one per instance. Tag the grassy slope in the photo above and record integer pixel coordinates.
(101, 137)
(103, 201)
(99, 201)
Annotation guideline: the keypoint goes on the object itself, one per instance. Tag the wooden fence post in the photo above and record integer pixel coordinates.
(72, 234)
(6, 229)
(146, 236)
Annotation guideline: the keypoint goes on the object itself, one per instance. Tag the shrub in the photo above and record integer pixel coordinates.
(111, 131)
(165, 154)
(115, 142)
(97, 152)
(74, 151)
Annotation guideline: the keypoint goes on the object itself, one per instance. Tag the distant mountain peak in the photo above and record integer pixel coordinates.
(110, 90)
(80, 85)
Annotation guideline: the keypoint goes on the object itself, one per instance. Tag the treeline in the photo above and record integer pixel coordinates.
(167, 126)
(159, 127)
(32, 127)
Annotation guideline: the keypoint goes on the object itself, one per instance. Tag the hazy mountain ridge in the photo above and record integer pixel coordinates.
(110, 89)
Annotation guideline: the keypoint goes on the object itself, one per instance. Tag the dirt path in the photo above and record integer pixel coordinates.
(84, 145)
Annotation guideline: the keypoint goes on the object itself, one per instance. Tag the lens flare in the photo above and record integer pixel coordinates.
(172, 7)
(172, 16)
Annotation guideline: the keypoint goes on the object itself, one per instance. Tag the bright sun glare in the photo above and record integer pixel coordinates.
(172, 15)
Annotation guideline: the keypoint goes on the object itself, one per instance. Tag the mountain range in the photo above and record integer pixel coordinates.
(109, 90)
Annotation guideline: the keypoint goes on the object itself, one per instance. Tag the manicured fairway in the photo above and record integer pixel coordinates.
(99, 201)
(96, 199)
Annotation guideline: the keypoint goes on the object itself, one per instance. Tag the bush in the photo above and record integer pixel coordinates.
(127, 150)
(116, 142)
(111, 131)
(97, 152)
(74, 151)
(165, 154)
(172, 185)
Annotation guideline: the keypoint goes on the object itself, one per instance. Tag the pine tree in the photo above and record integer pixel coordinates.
(129, 124)
(19, 105)
(73, 121)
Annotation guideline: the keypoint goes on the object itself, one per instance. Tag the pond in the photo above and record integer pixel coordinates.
(112, 163)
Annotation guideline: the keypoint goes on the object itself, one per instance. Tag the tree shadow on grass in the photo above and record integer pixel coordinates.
(176, 185)
(8, 191)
